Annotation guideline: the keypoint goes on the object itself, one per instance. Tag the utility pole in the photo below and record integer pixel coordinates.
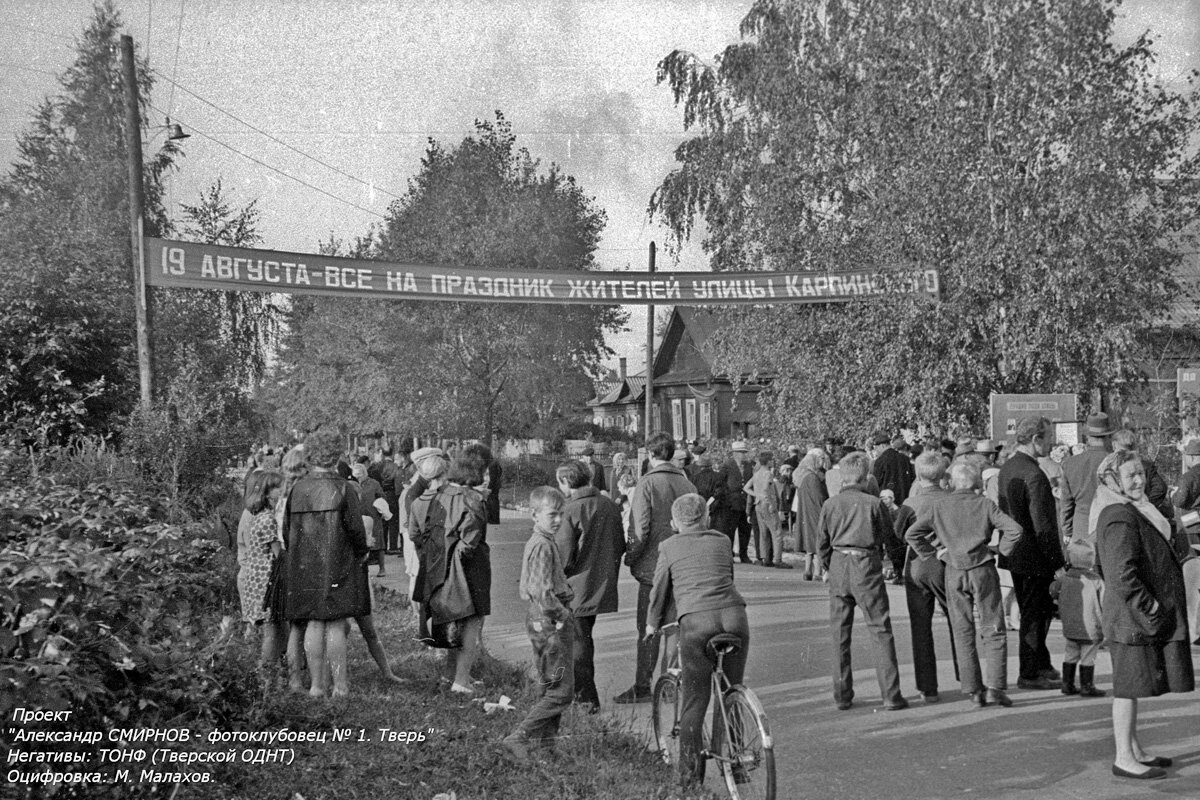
(650, 355)
(137, 201)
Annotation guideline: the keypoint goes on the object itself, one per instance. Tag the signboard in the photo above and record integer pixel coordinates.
(1187, 381)
(1008, 409)
(205, 266)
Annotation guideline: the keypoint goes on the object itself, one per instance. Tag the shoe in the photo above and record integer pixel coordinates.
(899, 705)
(630, 696)
(1050, 673)
(999, 697)
(808, 577)
(845, 705)
(758, 562)
(783, 565)
(1157, 761)
(931, 697)
(1151, 774)
(766, 563)
(516, 748)
(979, 699)
(1087, 686)
(381, 574)
(1039, 683)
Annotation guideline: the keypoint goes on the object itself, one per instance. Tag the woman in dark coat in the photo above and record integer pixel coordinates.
(811, 494)
(448, 526)
(324, 583)
(1144, 608)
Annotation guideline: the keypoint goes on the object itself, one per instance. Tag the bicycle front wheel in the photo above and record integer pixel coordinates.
(666, 721)
(747, 755)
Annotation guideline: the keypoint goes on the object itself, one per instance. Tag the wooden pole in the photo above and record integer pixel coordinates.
(141, 292)
(650, 356)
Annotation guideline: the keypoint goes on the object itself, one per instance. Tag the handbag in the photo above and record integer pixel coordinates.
(452, 600)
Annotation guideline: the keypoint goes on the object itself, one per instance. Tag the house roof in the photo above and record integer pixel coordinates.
(631, 390)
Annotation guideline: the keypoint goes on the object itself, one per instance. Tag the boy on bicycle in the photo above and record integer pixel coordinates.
(695, 569)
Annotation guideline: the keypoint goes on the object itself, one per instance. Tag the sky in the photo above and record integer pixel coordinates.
(360, 86)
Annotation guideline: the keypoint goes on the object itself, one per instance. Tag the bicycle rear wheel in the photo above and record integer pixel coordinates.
(747, 756)
(666, 725)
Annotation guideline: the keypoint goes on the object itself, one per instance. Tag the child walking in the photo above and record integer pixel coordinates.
(550, 628)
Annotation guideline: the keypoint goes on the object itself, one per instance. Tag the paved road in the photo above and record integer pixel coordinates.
(1045, 746)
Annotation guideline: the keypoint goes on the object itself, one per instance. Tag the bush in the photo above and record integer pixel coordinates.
(564, 429)
(111, 612)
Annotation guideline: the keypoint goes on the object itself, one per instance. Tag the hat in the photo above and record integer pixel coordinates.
(698, 448)
(881, 437)
(793, 448)
(680, 454)
(1097, 425)
(588, 450)
(1192, 448)
(986, 446)
(964, 446)
(426, 452)
(739, 446)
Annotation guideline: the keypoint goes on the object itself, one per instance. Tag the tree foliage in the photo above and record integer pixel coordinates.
(67, 341)
(1043, 170)
(458, 368)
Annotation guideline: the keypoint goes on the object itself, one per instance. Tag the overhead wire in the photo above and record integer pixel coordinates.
(275, 169)
(277, 140)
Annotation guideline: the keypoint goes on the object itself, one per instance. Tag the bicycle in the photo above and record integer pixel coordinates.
(742, 746)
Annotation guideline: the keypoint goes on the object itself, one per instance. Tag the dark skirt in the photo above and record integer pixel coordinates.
(478, 568)
(1151, 670)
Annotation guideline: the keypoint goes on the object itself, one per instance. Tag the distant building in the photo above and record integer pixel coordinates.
(690, 401)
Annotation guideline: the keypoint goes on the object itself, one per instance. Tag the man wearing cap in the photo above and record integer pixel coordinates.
(1025, 495)
(986, 452)
(650, 525)
(1078, 484)
(891, 468)
(595, 470)
(737, 525)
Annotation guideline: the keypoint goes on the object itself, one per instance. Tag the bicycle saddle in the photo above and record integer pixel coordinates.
(725, 643)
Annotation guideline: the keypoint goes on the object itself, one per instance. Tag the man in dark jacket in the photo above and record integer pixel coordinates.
(1025, 495)
(1078, 484)
(590, 543)
(383, 470)
(891, 468)
(649, 526)
(736, 525)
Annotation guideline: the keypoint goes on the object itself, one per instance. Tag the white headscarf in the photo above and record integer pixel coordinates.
(1106, 495)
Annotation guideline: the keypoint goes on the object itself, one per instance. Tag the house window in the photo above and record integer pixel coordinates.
(706, 416)
(689, 408)
(677, 419)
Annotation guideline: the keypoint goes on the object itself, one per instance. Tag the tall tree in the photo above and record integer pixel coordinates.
(64, 244)
(1043, 170)
(461, 368)
(67, 328)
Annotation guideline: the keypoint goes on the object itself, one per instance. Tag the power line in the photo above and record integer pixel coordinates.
(280, 141)
(28, 69)
(289, 176)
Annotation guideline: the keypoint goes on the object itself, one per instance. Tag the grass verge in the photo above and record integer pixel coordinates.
(598, 756)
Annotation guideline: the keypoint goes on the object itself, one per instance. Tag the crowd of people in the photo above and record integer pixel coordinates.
(1094, 535)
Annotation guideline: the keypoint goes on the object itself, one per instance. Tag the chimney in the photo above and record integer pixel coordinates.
(621, 369)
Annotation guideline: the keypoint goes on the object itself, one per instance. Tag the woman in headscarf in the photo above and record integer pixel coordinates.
(811, 494)
(1144, 607)
(448, 526)
(323, 579)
